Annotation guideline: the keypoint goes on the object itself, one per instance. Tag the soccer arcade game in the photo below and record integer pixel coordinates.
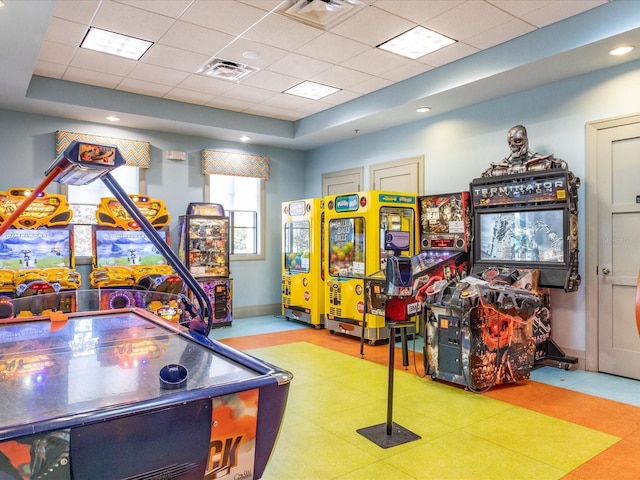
(73, 409)
(204, 249)
(303, 286)
(356, 226)
(127, 267)
(36, 254)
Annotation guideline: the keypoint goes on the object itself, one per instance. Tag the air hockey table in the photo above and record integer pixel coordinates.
(125, 394)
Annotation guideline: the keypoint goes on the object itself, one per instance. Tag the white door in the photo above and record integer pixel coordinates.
(618, 206)
(344, 181)
(398, 176)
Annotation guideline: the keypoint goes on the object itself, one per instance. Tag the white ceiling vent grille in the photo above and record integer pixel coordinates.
(323, 14)
(227, 70)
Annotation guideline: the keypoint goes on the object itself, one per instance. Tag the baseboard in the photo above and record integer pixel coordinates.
(257, 310)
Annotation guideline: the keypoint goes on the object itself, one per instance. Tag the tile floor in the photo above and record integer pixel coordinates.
(561, 424)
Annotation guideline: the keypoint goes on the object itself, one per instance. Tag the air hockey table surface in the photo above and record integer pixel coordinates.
(125, 394)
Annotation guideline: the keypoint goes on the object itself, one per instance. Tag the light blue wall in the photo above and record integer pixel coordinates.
(457, 146)
(27, 148)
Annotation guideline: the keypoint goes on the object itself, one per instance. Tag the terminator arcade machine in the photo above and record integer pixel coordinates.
(204, 249)
(356, 226)
(529, 221)
(303, 278)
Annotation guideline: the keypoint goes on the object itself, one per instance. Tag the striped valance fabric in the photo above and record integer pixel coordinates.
(215, 162)
(136, 153)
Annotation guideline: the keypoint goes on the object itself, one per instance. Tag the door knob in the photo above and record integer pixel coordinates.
(606, 271)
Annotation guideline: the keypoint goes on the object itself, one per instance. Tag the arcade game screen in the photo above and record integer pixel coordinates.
(522, 236)
(41, 248)
(126, 247)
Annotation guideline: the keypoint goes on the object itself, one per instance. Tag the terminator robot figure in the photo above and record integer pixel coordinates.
(521, 158)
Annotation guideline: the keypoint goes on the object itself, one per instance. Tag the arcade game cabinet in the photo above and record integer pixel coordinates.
(204, 249)
(127, 268)
(524, 222)
(356, 226)
(191, 408)
(36, 253)
(303, 285)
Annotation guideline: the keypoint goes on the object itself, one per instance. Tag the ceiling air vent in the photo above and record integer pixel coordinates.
(226, 70)
(323, 14)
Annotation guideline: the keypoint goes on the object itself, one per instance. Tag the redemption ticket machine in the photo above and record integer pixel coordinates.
(36, 253)
(356, 226)
(186, 407)
(303, 287)
(204, 249)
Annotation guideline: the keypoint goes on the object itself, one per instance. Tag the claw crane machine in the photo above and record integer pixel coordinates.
(302, 257)
(356, 226)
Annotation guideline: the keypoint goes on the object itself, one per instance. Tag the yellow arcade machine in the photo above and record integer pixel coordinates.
(125, 262)
(36, 254)
(356, 226)
(303, 284)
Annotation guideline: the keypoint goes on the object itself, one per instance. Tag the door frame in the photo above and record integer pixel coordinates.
(591, 228)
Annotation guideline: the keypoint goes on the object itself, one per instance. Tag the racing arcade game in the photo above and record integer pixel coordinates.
(36, 254)
(165, 415)
(128, 269)
(303, 286)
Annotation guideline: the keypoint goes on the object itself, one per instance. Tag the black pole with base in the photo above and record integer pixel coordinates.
(390, 434)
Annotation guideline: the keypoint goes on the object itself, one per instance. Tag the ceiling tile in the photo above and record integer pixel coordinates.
(560, 10)
(194, 38)
(102, 62)
(91, 77)
(280, 32)
(65, 32)
(275, 82)
(227, 103)
(300, 65)
(228, 16)
(520, 7)
(340, 77)
(287, 101)
(48, 69)
(342, 96)
(267, 54)
(56, 53)
(500, 34)
(189, 96)
(80, 11)
(174, 58)
(332, 48)
(172, 9)
(249, 93)
(405, 71)
(358, 27)
(468, 20)
(375, 61)
(448, 54)
(156, 74)
(371, 85)
(131, 21)
(204, 84)
(143, 87)
(418, 11)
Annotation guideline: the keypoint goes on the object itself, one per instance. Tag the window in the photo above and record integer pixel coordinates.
(243, 202)
(84, 199)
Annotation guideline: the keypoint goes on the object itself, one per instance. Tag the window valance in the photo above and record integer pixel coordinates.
(136, 153)
(215, 162)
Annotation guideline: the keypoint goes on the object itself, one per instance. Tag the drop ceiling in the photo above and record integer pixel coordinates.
(502, 47)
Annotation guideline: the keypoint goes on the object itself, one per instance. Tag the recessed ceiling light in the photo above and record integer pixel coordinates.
(250, 54)
(244, 138)
(621, 50)
(312, 90)
(113, 118)
(115, 44)
(416, 43)
(423, 109)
